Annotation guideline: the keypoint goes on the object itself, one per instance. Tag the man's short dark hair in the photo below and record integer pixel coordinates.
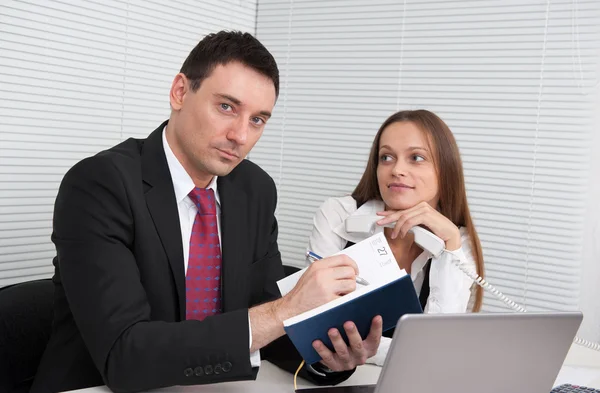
(224, 47)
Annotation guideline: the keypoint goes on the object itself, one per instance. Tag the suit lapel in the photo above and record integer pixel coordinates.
(162, 204)
(235, 247)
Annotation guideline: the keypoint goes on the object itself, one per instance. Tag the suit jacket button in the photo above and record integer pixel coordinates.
(226, 367)
(218, 368)
(208, 369)
(198, 371)
(188, 372)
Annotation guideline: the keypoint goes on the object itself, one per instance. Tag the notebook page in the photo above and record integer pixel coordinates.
(375, 260)
(376, 264)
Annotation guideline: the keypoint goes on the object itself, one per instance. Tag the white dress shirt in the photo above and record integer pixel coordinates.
(183, 185)
(450, 289)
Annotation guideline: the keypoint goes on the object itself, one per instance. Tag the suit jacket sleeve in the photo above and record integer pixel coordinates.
(93, 231)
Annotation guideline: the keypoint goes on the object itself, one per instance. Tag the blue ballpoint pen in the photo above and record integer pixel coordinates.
(311, 256)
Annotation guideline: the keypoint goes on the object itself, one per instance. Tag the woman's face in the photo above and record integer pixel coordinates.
(406, 173)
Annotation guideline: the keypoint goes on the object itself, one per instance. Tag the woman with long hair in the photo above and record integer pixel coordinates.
(414, 176)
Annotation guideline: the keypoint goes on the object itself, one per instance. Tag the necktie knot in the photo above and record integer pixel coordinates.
(204, 199)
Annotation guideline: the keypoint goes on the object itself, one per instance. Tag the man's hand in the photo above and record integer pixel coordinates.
(348, 357)
(323, 281)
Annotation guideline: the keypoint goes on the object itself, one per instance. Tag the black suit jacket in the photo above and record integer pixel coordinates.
(119, 303)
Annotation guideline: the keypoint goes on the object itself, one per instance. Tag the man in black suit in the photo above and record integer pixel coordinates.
(133, 235)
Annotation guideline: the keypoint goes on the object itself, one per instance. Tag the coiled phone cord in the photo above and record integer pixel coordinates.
(513, 305)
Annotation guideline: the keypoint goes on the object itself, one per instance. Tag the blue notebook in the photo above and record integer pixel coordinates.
(391, 301)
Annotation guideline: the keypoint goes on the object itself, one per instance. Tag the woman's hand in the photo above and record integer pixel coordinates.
(422, 214)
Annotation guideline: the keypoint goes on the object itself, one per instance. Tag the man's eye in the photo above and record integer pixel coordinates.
(258, 121)
(226, 107)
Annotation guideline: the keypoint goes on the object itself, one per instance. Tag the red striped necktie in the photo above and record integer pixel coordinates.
(203, 276)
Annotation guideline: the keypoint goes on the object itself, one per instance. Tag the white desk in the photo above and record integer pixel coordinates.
(581, 367)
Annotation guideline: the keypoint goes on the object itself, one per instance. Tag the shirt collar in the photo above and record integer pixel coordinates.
(182, 182)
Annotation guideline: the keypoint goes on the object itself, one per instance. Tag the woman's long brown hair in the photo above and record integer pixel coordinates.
(448, 164)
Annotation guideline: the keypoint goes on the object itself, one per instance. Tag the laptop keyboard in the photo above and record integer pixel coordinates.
(568, 388)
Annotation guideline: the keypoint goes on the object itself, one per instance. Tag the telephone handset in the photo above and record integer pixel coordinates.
(428, 241)
(367, 223)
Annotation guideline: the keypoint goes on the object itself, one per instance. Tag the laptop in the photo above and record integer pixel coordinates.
(473, 353)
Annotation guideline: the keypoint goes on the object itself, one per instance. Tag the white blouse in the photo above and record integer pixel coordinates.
(450, 289)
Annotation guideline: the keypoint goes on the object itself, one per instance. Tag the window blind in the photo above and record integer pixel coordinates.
(77, 77)
(515, 81)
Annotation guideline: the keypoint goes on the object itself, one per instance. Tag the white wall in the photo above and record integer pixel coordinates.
(77, 77)
(590, 294)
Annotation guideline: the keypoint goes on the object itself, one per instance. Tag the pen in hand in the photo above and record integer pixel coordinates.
(311, 256)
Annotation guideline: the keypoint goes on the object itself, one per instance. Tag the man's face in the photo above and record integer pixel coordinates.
(212, 129)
